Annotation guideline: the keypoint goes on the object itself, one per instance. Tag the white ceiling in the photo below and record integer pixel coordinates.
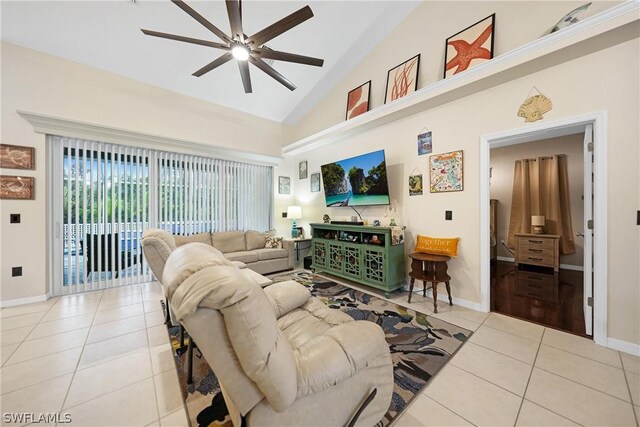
(106, 35)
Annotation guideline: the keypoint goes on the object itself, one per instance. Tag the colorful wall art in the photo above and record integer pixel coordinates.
(424, 143)
(445, 172)
(470, 47)
(358, 100)
(17, 157)
(415, 185)
(402, 80)
(16, 187)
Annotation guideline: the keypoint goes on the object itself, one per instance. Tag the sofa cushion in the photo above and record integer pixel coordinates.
(243, 256)
(257, 240)
(266, 253)
(229, 241)
(200, 238)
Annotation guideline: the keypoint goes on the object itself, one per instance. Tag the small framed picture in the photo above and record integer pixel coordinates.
(358, 100)
(300, 232)
(402, 80)
(425, 145)
(415, 185)
(284, 185)
(17, 187)
(315, 182)
(470, 47)
(17, 157)
(302, 170)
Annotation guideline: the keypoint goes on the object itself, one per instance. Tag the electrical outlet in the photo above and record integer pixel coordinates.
(14, 218)
(284, 214)
(448, 215)
(16, 271)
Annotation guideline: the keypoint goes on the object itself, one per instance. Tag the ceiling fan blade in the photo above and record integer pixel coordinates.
(210, 66)
(271, 72)
(195, 15)
(233, 10)
(185, 39)
(285, 24)
(244, 73)
(288, 57)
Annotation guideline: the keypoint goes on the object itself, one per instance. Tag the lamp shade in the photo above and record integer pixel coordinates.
(294, 212)
(537, 220)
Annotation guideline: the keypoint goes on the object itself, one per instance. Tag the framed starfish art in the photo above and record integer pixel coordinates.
(469, 47)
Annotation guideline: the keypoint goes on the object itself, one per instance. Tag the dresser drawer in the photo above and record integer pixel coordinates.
(533, 259)
(535, 243)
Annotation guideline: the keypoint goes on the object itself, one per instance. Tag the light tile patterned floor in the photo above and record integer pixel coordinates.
(104, 357)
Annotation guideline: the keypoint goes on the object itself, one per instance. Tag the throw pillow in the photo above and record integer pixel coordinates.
(437, 245)
(257, 240)
(273, 242)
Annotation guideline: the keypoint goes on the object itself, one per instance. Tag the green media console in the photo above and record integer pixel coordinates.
(361, 253)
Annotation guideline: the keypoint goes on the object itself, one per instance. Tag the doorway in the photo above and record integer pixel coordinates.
(593, 126)
(537, 215)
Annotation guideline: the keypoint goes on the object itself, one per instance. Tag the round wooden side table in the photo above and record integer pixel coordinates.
(430, 268)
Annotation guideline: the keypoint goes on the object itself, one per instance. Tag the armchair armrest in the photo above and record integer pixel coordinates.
(286, 296)
(157, 245)
(340, 353)
(289, 245)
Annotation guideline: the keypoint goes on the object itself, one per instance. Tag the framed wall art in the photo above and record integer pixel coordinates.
(284, 185)
(315, 182)
(17, 187)
(17, 157)
(470, 47)
(425, 144)
(415, 185)
(402, 80)
(445, 172)
(358, 100)
(302, 170)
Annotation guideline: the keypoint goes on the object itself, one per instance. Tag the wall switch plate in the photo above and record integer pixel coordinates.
(448, 215)
(16, 271)
(14, 218)
(284, 214)
(638, 219)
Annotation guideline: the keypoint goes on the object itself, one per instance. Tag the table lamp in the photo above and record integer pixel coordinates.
(537, 222)
(294, 212)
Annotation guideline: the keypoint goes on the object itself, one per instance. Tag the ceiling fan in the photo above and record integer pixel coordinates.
(245, 49)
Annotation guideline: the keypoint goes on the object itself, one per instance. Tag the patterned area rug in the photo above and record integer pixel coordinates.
(420, 346)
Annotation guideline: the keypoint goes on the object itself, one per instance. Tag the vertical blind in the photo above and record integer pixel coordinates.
(112, 193)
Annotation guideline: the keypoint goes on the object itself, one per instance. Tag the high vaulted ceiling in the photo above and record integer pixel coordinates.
(106, 35)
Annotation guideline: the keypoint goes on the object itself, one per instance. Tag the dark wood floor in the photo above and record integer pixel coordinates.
(539, 296)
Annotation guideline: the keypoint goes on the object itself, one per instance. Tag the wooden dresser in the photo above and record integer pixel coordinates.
(538, 249)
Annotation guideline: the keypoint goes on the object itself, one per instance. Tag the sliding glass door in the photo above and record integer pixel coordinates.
(103, 196)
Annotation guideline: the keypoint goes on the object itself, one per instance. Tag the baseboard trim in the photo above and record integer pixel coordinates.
(624, 346)
(562, 266)
(22, 301)
(442, 296)
(571, 267)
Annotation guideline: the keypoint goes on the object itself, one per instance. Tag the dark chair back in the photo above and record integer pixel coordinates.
(106, 261)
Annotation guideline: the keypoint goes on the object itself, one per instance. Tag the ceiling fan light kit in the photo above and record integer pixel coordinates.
(246, 50)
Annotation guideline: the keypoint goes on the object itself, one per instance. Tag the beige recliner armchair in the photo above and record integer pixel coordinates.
(282, 357)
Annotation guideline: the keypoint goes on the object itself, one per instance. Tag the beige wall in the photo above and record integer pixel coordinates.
(502, 167)
(607, 80)
(41, 83)
(425, 32)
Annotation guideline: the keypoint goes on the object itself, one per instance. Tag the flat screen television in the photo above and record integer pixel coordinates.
(357, 181)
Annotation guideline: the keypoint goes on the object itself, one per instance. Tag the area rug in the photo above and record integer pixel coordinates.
(420, 346)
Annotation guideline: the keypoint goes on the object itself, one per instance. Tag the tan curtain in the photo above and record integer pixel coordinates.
(541, 187)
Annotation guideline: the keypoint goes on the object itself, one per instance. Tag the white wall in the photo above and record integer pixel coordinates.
(502, 166)
(45, 84)
(607, 80)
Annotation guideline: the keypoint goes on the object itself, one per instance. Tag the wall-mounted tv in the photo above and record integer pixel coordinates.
(357, 181)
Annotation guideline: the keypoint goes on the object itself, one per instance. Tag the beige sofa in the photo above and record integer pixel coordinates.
(282, 357)
(244, 247)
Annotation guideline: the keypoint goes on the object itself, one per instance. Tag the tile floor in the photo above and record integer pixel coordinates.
(104, 358)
